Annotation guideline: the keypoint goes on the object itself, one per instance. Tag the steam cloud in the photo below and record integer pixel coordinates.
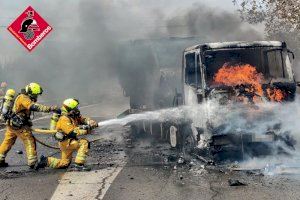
(239, 119)
(259, 120)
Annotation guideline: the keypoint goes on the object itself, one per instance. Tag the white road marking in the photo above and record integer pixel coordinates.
(86, 185)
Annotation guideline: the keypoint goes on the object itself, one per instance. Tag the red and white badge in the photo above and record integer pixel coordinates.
(30, 28)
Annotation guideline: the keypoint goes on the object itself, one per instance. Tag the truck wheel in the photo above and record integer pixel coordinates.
(188, 141)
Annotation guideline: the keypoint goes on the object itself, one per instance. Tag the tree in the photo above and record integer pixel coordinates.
(287, 11)
(281, 18)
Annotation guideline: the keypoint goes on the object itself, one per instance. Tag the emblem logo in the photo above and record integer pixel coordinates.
(30, 28)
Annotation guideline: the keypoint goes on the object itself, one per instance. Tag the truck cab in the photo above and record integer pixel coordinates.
(270, 79)
(197, 83)
(201, 62)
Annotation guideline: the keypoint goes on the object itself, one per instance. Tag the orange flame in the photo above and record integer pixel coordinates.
(246, 74)
(275, 95)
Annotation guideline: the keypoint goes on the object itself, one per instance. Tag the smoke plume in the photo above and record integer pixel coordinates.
(211, 25)
(81, 56)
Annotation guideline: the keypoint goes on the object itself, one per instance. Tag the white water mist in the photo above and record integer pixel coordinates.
(158, 115)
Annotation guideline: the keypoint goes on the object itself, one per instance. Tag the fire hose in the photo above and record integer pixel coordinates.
(46, 145)
(51, 132)
(47, 132)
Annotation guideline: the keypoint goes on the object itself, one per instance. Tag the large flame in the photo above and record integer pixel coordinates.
(240, 75)
(246, 74)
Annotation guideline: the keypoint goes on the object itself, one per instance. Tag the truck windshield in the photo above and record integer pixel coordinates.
(266, 60)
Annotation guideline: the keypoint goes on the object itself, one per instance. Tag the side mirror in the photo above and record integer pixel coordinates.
(291, 53)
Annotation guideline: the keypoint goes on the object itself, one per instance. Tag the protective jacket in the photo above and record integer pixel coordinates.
(19, 126)
(22, 109)
(70, 127)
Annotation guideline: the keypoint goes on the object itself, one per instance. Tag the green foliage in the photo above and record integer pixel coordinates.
(281, 18)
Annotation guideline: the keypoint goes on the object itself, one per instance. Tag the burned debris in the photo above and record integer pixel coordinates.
(232, 182)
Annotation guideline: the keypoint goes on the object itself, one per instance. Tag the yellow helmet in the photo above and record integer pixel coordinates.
(33, 89)
(70, 104)
(10, 94)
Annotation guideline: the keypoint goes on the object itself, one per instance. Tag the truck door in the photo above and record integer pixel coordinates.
(192, 72)
(192, 78)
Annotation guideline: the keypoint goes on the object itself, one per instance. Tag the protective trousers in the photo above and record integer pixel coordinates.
(27, 138)
(67, 148)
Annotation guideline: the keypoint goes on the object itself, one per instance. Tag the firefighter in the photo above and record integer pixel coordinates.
(70, 125)
(3, 86)
(19, 123)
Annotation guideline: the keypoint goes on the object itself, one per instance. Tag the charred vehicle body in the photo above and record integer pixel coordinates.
(236, 77)
(270, 60)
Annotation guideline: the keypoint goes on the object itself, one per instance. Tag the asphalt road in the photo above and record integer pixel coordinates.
(134, 173)
(19, 182)
(146, 176)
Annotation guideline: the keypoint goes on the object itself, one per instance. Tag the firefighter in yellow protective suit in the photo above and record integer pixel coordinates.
(69, 126)
(19, 123)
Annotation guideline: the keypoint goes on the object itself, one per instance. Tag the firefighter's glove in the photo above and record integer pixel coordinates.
(40, 108)
(85, 127)
(81, 131)
(55, 109)
(93, 124)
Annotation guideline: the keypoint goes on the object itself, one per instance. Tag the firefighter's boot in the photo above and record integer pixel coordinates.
(3, 164)
(80, 167)
(43, 162)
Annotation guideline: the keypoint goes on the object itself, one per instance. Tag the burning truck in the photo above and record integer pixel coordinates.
(237, 77)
